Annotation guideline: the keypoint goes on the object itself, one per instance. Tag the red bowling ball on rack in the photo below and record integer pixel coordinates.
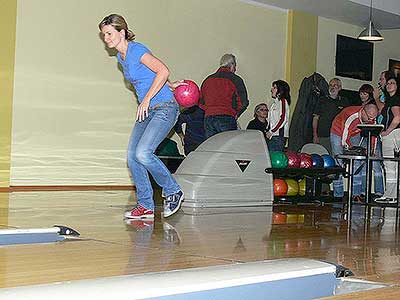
(306, 161)
(293, 159)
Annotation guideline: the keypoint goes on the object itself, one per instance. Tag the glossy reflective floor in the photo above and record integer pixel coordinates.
(108, 246)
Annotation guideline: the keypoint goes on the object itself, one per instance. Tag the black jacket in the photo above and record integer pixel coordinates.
(300, 131)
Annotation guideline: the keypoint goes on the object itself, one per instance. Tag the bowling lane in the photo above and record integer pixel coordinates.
(109, 246)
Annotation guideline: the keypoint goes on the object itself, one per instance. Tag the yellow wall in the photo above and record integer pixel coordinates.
(72, 110)
(301, 51)
(7, 48)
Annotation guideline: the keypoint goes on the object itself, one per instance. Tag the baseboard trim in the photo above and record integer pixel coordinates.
(47, 188)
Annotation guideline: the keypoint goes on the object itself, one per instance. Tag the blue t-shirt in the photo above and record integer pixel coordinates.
(140, 75)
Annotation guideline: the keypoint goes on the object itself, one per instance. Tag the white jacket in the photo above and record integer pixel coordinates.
(278, 117)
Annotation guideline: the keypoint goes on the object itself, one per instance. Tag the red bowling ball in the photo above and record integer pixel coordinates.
(187, 95)
(293, 160)
(306, 161)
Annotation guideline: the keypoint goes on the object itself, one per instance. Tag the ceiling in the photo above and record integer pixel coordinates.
(385, 15)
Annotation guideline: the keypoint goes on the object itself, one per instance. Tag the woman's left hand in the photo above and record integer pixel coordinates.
(268, 135)
(384, 133)
(143, 111)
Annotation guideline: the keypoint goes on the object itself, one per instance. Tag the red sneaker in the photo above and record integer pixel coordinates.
(139, 212)
(141, 225)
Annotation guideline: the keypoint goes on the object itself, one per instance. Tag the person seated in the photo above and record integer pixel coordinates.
(260, 121)
(194, 133)
(345, 133)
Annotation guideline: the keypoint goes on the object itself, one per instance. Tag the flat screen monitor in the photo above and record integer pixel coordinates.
(354, 58)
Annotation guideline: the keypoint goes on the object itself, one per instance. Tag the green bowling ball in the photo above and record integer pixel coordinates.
(278, 159)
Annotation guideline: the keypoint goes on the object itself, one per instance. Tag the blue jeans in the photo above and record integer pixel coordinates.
(145, 138)
(337, 148)
(219, 123)
(377, 168)
(276, 143)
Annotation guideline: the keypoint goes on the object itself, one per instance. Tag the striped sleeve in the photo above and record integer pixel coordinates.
(348, 126)
(282, 116)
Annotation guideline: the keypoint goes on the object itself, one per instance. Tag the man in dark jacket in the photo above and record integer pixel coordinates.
(223, 97)
(327, 108)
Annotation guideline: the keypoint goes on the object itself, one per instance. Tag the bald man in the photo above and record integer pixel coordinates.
(344, 133)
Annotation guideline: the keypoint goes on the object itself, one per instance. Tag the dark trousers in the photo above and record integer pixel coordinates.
(219, 123)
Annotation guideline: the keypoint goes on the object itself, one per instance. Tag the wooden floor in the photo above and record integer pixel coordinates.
(108, 246)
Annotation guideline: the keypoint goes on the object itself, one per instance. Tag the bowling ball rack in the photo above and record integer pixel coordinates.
(314, 179)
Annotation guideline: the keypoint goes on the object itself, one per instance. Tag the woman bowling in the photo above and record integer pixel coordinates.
(156, 115)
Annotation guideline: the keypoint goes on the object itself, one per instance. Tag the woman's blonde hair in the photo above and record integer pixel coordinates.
(119, 23)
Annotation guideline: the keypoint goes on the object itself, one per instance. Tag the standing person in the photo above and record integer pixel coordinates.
(260, 121)
(278, 116)
(366, 93)
(390, 138)
(194, 133)
(223, 97)
(345, 133)
(380, 93)
(156, 115)
(325, 111)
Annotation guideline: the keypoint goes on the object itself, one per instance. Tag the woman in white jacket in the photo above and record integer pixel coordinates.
(278, 116)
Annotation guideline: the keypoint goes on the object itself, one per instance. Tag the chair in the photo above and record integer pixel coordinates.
(312, 148)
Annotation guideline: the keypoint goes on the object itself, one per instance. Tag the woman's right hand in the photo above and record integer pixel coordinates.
(175, 84)
(142, 111)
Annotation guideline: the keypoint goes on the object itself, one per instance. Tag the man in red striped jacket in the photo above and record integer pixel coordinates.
(223, 97)
(344, 133)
